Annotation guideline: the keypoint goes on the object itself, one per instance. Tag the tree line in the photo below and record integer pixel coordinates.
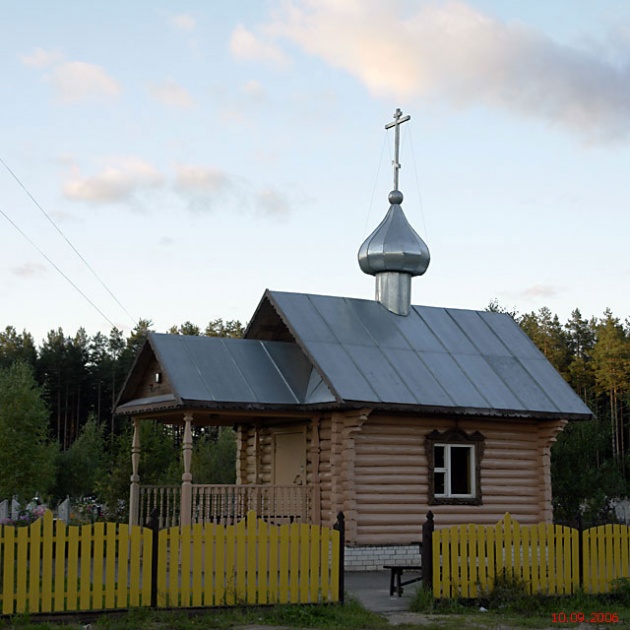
(591, 460)
(58, 434)
(81, 375)
(78, 378)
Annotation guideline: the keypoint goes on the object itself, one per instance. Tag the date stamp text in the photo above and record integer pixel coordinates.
(581, 617)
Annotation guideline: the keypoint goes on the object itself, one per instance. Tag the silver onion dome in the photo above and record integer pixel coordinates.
(394, 253)
(394, 245)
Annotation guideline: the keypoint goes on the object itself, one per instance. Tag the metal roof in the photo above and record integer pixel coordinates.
(351, 352)
(220, 370)
(435, 358)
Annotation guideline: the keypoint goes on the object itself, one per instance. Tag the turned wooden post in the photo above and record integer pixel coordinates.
(134, 490)
(185, 515)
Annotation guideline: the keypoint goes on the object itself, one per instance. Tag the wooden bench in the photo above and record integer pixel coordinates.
(395, 577)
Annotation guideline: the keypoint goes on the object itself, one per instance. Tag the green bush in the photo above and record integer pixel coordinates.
(509, 592)
(81, 468)
(214, 458)
(620, 590)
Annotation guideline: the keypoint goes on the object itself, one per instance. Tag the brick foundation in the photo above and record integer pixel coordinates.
(373, 557)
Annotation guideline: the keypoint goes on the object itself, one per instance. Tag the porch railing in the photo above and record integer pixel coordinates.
(165, 498)
(228, 504)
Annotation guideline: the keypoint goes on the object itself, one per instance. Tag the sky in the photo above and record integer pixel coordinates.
(172, 160)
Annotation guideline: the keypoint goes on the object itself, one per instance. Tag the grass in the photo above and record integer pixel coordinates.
(507, 606)
(325, 617)
(442, 615)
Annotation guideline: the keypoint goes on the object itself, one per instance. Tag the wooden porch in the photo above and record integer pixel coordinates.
(227, 504)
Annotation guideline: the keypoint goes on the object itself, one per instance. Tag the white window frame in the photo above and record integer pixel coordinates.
(447, 469)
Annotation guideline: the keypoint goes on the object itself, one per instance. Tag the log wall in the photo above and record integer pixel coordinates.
(392, 481)
(374, 468)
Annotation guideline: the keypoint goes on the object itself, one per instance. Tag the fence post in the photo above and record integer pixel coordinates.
(340, 526)
(427, 551)
(580, 525)
(154, 525)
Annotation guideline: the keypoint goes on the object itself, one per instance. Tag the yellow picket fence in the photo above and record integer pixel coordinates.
(48, 567)
(548, 559)
(605, 551)
(251, 562)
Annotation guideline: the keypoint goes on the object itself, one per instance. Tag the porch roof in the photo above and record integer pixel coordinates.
(221, 372)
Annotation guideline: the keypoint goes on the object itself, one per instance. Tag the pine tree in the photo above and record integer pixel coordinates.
(546, 331)
(27, 456)
(611, 366)
(581, 339)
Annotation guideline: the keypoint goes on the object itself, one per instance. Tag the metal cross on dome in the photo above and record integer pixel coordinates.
(398, 120)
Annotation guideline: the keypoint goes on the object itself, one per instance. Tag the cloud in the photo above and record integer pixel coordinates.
(247, 46)
(41, 58)
(201, 188)
(205, 189)
(75, 81)
(456, 53)
(271, 203)
(208, 189)
(171, 94)
(540, 291)
(29, 270)
(201, 179)
(117, 182)
(184, 22)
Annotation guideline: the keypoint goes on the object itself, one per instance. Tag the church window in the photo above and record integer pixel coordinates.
(454, 467)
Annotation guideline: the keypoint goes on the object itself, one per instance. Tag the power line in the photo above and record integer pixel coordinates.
(378, 171)
(74, 249)
(415, 170)
(8, 218)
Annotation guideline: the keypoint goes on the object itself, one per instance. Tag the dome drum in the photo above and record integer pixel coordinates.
(393, 291)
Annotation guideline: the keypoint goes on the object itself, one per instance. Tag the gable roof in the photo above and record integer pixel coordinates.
(437, 359)
(311, 351)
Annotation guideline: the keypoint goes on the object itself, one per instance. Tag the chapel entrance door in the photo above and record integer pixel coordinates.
(289, 470)
(289, 458)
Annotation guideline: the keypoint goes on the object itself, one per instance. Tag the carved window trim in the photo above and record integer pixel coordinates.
(455, 437)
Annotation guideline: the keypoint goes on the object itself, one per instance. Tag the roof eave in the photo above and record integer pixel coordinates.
(485, 412)
(130, 409)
